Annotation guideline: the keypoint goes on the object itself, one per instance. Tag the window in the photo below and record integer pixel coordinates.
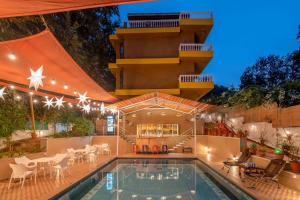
(110, 122)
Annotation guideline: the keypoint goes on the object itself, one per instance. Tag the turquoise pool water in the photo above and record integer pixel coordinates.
(154, 179)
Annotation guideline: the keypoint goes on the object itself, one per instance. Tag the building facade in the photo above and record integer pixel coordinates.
(163, 52)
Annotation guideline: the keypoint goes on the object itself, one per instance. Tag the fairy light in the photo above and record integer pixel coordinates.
(66, 87)
(12, 56)
(18, 97)
(30, 93)
(12, 87)
(52, 82)
(75, 92)
(35, 101)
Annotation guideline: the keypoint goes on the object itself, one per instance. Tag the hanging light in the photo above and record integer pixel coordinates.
(36, 78)
(2, 93)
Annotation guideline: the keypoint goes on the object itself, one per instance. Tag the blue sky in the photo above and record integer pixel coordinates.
(242, 32)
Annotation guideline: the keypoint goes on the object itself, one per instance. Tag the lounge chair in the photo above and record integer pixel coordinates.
(242, 159)
(270, 173)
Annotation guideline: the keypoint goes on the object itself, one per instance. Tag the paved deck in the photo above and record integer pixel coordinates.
(263, 191)
(46, 188)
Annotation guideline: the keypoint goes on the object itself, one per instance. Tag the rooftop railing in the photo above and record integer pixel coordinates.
(166, 22)
(196, 15)
(153, 23)
(194, 47)
(195, 78)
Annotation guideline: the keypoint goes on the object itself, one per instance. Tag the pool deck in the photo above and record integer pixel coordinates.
(45, 188)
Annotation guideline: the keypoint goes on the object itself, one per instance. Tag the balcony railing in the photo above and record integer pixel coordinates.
(167, 22)
(195, 78)
(194, 47)
(153, 23)
(195, 15)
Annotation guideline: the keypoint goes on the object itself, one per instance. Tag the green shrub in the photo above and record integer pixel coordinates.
(82, 127)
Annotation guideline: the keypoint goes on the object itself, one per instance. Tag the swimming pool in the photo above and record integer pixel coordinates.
(154, 179)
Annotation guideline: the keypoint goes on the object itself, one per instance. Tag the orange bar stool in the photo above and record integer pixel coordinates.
(135, 148)
(155, 149)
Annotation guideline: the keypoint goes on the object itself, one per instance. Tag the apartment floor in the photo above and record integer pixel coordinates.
(46, 188)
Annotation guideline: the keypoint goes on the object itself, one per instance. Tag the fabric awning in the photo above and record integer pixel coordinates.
(157, 99)
(44, 49)
(13, 8)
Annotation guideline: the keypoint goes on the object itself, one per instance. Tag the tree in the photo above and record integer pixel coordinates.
(249, 97)
(12, 115)
(219, 95)
(84, 34)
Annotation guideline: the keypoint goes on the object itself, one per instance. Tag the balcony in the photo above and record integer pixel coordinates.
(195, 86)
(143, 24)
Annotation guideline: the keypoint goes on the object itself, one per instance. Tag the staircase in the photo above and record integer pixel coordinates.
(124, 136)
(187, 136)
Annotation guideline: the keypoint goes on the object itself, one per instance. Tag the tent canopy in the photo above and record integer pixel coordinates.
(44, 49)
(157, 99)
(12, 8)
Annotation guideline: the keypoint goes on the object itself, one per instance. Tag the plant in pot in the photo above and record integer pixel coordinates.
(278, 153)
(295, 160)
(262, 151)
(253, 148)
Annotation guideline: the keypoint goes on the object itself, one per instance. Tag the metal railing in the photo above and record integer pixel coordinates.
(153, 23)
(196, 15)
(194, 47)
(195, 78)
(167, 22)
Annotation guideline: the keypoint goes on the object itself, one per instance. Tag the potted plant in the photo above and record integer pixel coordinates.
(262, 151)
(295, 160)
(253, 148)
(278, 153)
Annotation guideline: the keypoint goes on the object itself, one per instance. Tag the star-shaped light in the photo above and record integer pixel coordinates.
(113, 111)
(48, 103)
(59, 102)
(2, 93)
(86, 108)
(82, 97)
(36, 78)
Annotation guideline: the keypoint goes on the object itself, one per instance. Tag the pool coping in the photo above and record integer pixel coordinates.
(65, 190)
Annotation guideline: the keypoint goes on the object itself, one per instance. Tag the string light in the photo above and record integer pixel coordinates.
(35, 101)
(30, 93)
(66, 87)
(52, 82)
(12, 56)
(18, 97)
(12, 87)
(75, 92)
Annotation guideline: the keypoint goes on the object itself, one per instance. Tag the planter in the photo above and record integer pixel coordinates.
(253, 151)
(295, 166)
(278, 156)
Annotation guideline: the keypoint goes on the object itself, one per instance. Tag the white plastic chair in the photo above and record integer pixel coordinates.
(29, 164)
(60, 168)
(106, 149)
(20, 172)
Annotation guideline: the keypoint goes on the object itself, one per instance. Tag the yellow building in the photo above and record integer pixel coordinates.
(163, 52)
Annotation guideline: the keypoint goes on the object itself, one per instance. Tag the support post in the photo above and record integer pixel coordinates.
(118, 131)
(33, 134)
(195, 131)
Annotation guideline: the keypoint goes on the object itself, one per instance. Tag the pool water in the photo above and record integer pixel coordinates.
(154, 179)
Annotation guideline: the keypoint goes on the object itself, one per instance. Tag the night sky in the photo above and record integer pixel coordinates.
(242, 32)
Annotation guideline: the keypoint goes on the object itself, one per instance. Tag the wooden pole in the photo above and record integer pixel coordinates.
(33, 134)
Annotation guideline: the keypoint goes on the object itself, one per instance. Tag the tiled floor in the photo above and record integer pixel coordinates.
(263, 191)
(48, 187)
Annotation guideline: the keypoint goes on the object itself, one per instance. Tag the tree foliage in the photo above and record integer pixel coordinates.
(219, 95)
(12, 115)
(84, 34)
